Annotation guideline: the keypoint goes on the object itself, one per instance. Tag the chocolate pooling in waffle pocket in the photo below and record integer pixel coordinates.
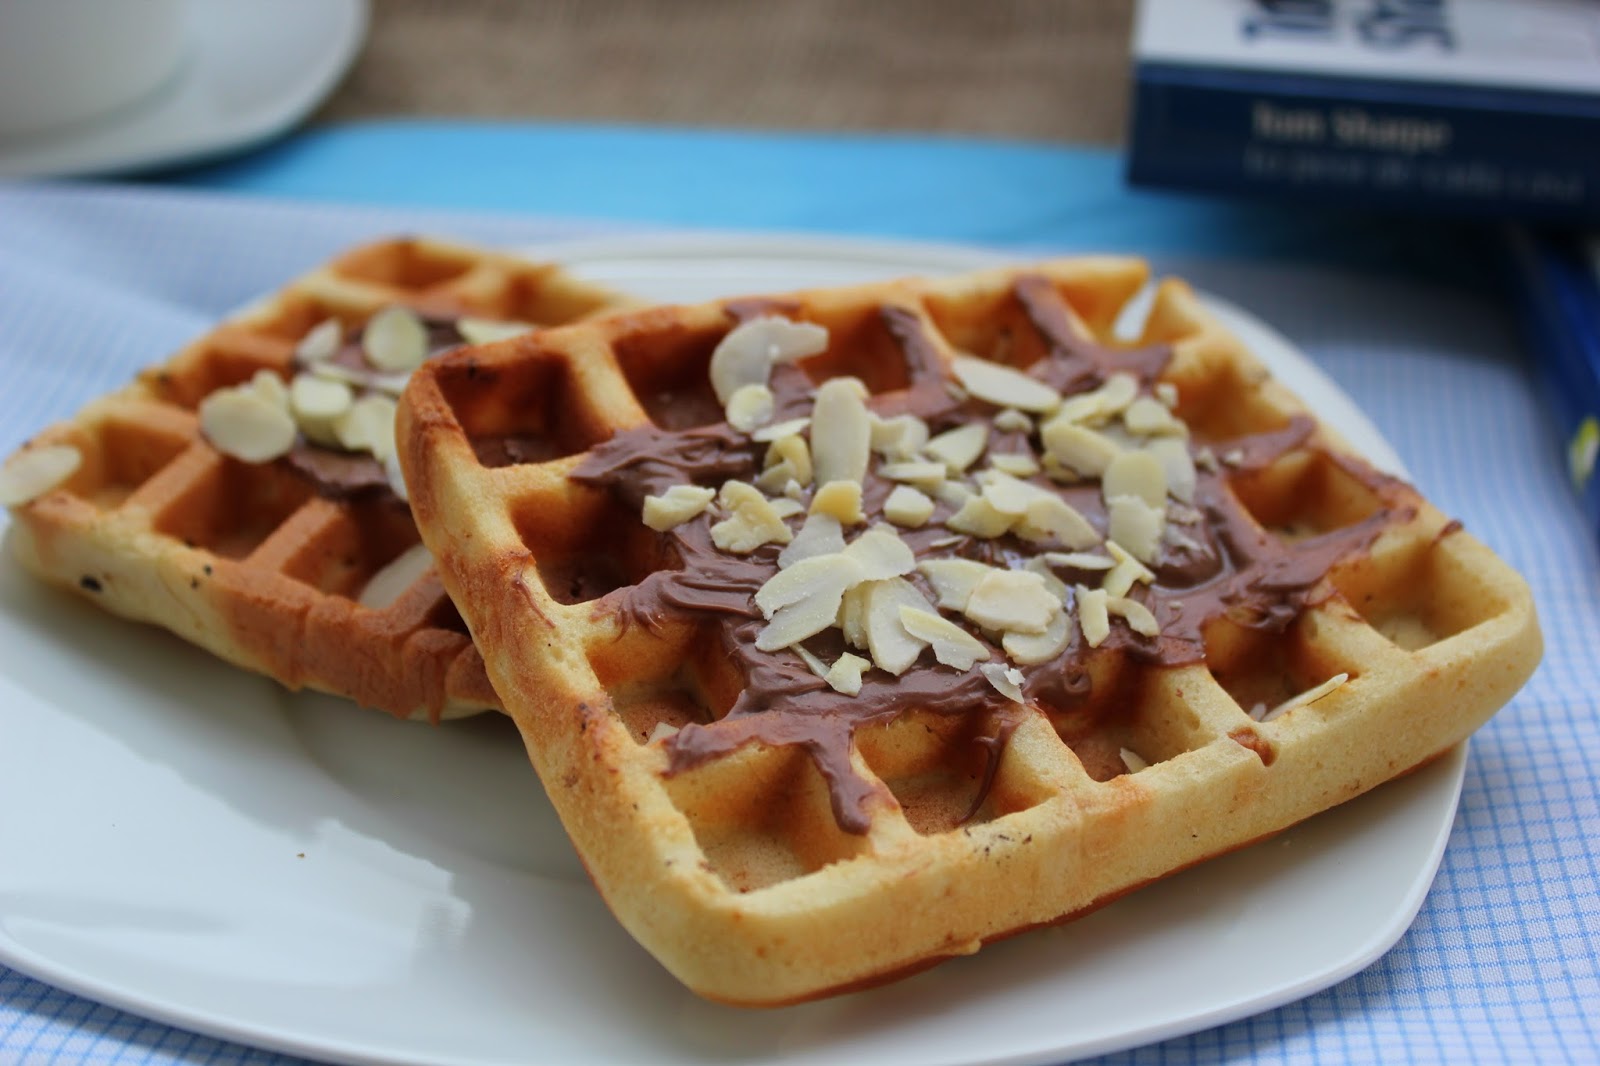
(332, 421)
(963, 546)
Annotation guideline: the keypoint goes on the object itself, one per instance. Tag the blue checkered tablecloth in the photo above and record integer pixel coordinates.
(1500, 965)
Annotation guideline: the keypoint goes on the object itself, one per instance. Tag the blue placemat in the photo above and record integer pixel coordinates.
(1500, 966)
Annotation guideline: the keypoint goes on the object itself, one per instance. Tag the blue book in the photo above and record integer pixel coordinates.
(1483, 107)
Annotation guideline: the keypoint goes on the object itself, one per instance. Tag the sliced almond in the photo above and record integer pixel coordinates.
(1012, 600)
(750, 407)
(812, 606)
(1149, 417)
(900, 437)
(1311, 695)
(1135, 473)
(814, 664)
(953, 579)
(1031, 649)
(789, 427)
(844, 676)
(241, 423)
(1012, 420)
(745, 356)
(892, 647)
(751, 521)
(881, 554)
(395, 339)
(907, 507)
(1167, 393)
(785, 507)
(1178, 465)
(1050, 519)
(951, 645)
(926, 475)
(367, 426)
(959, 448)
(401, 572)
(807, 578)
(1078, 448)
(1127, 571)
(489, 330)
(1006, 494)
(318, 400)
(822, 534)
(1136, 614)
(660, 732)
(1006, 682)
(1003, 386)
(852, 617)
(792, 449)
(393, 384)
(841, 500)
(977, 517)
(1094, 618)
(1133, 760)
(1103, 403)
(676, 506)
(1017, 464)
(1135, 525)
(33, 472)
(1079, 560)
(953, 494)
(321, 342)
(270, 387)
(841, 432)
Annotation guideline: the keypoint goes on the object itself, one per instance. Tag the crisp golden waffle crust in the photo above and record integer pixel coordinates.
(247, 560)
(737, 872)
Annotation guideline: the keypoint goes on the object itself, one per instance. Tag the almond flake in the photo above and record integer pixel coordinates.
(790, 427)
(393, 384)
(1127, 571)
(1003, 386)
(745, 356)
(1135, 474)
(776, 479)
(852, 617)
(1012, 420)
(1078, 448)
(1167, 393)
(1050, 518)
(1006, 682)
(30, 474)
(751, 522)
(1031, 649)
(891, 646)
(1136, 614)
(676, 506)
(925, 475)
(1078, 560)
(750, 407)
(400, 573)
(1118, 391)
(842, 500)
(900, 437)
(907, 507)
(1017, 464)
(368, 426)
(242, 423)
(959, 448)
(1206, 459)
(321, 342)
(820, 535)
(807, 578)
(784, 507)
(1309, 696)
(790, 450)
(395, 339)
(662, 731)
(881, 554)
(954, 494)
(318, 400)
(1016, 600)
(952, 645)
(1093, 616)
(1173, 455)
(1148, 417)
(489, 330)
(844, 677)
(953, 579)
(1008, 495)
(977, 517)
(270, 387)
(1135, 525)
(1133, 761)
(841, 432)
(814, 664)
(811, 605)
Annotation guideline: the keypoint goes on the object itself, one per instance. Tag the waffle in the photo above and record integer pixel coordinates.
(1242, 627)
(269, 564)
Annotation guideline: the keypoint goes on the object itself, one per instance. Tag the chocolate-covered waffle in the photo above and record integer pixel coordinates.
(850, 629)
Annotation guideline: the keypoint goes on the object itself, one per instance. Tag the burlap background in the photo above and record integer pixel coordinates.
(1043, 69)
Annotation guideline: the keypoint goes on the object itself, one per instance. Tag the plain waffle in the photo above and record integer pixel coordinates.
(1234, 623)
(270, 564)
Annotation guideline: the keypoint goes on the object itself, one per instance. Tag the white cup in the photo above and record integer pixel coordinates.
(64, 62)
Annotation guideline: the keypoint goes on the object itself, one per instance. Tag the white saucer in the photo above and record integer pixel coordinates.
(253, 70)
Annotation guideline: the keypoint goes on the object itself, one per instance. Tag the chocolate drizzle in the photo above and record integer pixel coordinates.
(1227, 565)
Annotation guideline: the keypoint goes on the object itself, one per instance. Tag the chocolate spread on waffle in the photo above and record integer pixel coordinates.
(1224, 566)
